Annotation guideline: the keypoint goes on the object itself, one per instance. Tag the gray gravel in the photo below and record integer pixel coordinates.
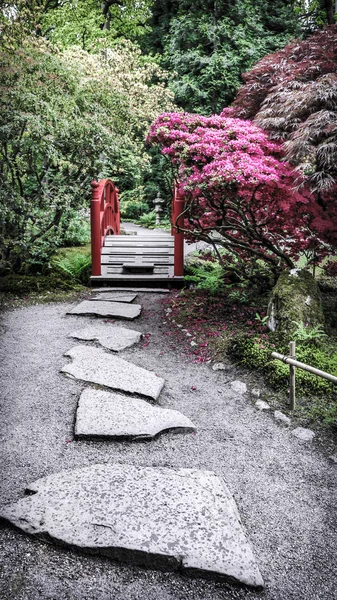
(284, 488)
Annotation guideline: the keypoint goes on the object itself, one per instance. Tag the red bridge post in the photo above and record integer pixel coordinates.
(95, 218)
(178, 220)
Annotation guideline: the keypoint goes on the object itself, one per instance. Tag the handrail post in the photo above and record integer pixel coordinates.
(292, 369)
(95, 217)
(178, 220)
(173, 212)
(118, 213)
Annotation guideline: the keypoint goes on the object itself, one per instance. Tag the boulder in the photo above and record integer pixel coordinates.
(295, 299)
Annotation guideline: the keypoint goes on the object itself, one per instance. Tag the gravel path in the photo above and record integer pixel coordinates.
(284, 488)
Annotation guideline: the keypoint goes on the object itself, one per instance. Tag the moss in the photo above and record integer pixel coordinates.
(254, 352)
(295, 299)
(21, 285)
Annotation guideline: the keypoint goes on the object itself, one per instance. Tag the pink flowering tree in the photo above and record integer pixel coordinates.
(239, 193)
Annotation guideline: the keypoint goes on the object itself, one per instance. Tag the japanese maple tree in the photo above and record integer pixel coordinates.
(236, 184)
(293, 95)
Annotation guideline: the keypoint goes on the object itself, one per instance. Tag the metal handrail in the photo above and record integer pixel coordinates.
(293, 363)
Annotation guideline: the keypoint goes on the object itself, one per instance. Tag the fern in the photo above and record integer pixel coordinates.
(208, 277)
(74, 265)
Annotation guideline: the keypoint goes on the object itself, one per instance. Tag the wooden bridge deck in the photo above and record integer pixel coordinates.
(138, 259)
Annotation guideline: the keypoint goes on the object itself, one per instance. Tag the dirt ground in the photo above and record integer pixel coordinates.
(284, 488)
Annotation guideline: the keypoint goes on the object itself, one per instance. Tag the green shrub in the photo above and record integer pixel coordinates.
(254, 352)
(133, 210)
(75, 266)
(77, 232)
(206, 275)
(148, 220)
(133, 204)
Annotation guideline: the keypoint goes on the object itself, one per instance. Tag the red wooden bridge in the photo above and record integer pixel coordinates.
(118, 259)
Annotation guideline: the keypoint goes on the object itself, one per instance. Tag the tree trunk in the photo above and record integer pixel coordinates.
(329, 9)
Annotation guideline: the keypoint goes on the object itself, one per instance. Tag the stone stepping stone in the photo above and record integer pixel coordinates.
(96, 366)
(182, 519)
(103, 414)
(118, 310)
(111, 337)
(108, 296)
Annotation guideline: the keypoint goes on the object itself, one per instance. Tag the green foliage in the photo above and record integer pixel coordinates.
(254, 352)
(94, 25)
(159, 178)
(306, 334)
(77, 230)
(65, 118)
(18, 18)
(206, 46)
(148, 220)
(133, 209)
(239, 295)
(262, 320)
(206, 275)
(132, 204)
(76, 266)
(322, 409)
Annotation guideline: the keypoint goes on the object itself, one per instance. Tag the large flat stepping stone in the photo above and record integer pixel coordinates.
(118, 310)
(109, 336)
(96, 366)
(104, 414)
(117, 297)
(181, 519)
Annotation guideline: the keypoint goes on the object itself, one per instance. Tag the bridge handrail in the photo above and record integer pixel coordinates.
(178, 205)
(105, 218)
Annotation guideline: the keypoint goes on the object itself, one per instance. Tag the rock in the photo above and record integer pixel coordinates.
(118, 310)
(261, 405)
(104, 414)
(305, 435)
(111, 337)
(256, 393)
(220, 366)
(282, 418)
(239, 387)
(117, 297)
(182, 519)
(295, 299)
(96, 366)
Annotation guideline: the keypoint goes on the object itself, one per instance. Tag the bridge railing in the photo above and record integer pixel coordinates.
(105, 218)
(178, 205)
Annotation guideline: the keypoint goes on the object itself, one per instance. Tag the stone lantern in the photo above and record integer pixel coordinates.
(158, 207)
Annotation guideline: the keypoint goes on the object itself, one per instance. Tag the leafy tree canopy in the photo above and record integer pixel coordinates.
(66, 117)
(292, 94)
(92, 23)
(207, 45)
